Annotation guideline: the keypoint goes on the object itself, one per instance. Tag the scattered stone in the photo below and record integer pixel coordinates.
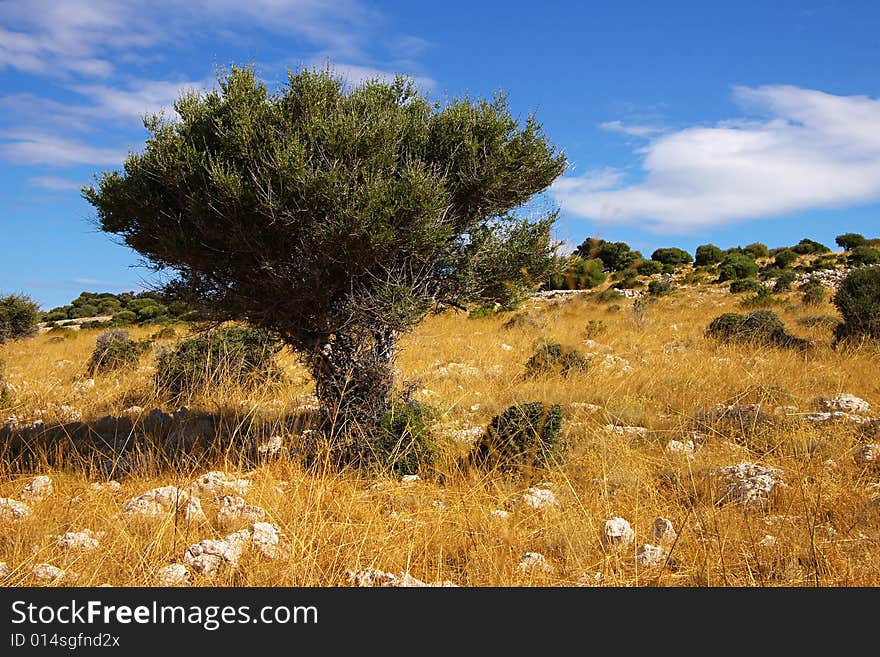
(591, 579)
(13, 510)
(617, 534)
(410, 479)
(663, 532)
(748, 484)
(506, 347)
(271, 446)
(679, 448)
(626, 431)
(468, 435)
(234, 511)
(500, 514)
(174, 574)
(85, 540)
(540, 498)
(845, 402)
(266, 538)
(769, 541)
(159, 503)
(584, 406)
(4, 570)
(867, 454)
(209, 556)
(49, 573)
(132, 411)
(370, 577)
(650, 555)
(217, 484)
(83, 386)
(534, 561)
(38, 489)
(111, 486)
(834, 416)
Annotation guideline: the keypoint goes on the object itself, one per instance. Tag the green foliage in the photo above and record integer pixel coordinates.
(813, 292)
(660, 288)
(56, 315)
(823, 321)
(628, 282)
(615, 256)
(784, 281)
(124, 317)
(762, 298)
(858, 301)
(525, 437)
(553, 357)
(672, 256)
(745, 285)
(808, 247)
(232, 354)
(403, 442)
(757, 250)
(785, 258)
(595, 328)
(164, 333)
(19, 316)
(849, 241)
(575, 273)
(649, 268)
(761, 327)
(736, 265)
(335, 216)
(115, 350)
(863, 255)
(708, 254)
(609, 294)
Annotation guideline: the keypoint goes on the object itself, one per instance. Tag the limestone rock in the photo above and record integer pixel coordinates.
(617, 534)
(217, 484)
(650, 555)
(175, 574)
(234, 511)
(540, 498)
(748, 484)
(371, 577)
(867, 454)
(37, 489)
(48, 573)
(85, 540)
(534, 561)
(663, 532)
(13, 510)
(4, 570)
(207, 557)
(845, 402)
(159, 503)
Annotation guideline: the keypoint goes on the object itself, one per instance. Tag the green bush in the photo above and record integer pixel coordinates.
(745, 285)
(19, 316)
(784, 281)
(762, 298)
(56, 315)
(524, 437)
(757, 250)
(85, 310)
(660, 288)
(785, 258)
(649, 268)
(403, 441)
(608, 294)
(628, 283)
(809, 247)
(5, 392)
(553, 357)
(115, 350)
(858, 301)
(124, 317)
(849, 241)
(863, 255)
(595, 328)
(813, 293)
(231, 354)
(576, 273)
(672, 256)
(668, 269)
(708, 254)
(736, 265)
(151, 311)
(761, 327)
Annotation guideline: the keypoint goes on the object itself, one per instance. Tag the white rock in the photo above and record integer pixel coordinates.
(534, 561)
(209, 556)
(845, 402)
(38, 489)
(266, 538)
(13, 510)
(617, 534)
(769, 541)
(111, 485)
(216, 484)
(85, 540)
(234, 511)
(133, 411)
(410, 479)
(468, 435)
(679, 448)
(506, 347)
(584, 406)
(650, 555)
(663, 532)
(4, 570)
(500, 514)
(591, 579)
(159, 503)
(867, 454)
(748, 484)
(369, 577)
(174, 574)
(83, 386)
(49, 573)
(540, 498)
(626, 431)
(271, 446)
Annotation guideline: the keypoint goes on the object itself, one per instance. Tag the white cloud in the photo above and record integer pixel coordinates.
(807, 150)
(24, 147)
(355, 74)
(141, 97)
(55, 184)
(632, 130)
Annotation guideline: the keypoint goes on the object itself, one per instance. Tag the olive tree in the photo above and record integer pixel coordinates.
(335, 216)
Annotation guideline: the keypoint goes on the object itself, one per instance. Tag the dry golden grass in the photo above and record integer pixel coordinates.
(826, 522)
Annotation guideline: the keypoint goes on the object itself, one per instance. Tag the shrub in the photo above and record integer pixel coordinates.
(757, 250)
(762, 298)
(629, 282)
(784, 258)
(761, 327)
(524, 437)
(231, 354)
(736, 265)
(849, 241)
(56, 315)
(115, 350)
(858, 300)
(164, 333)
(672, 256)
(668, 269)
(151, 311)
(808, 247)
(402, 442)
(615, 256)
(863, 255)
(660, 288)
(813, 293)
(824, 321)
(608, 294)
(745, 285)
(124, 317)
(19, 316)
(784, 281)
(553, 357)
(578, 274)
(595, 328)
(649, 268)
(708, 254)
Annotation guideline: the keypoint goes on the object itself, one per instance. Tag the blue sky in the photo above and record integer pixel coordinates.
(684, 122)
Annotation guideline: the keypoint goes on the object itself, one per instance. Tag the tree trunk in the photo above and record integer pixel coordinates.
(353, 380)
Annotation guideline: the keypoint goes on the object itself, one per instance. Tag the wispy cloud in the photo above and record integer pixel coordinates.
(25, 147)
(801, 149)
(55, 184)
(355, 74)
(632, 130)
